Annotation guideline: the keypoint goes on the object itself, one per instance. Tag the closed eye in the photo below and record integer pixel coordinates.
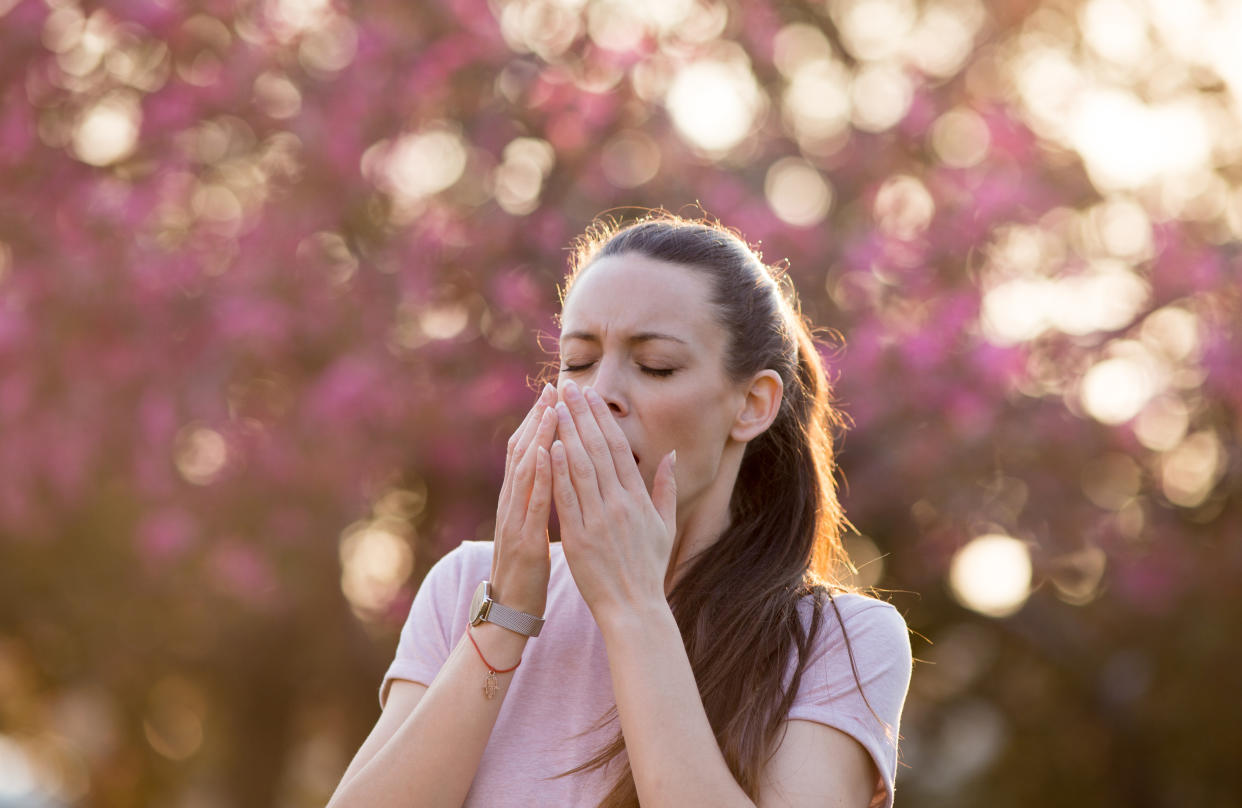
(659, 373)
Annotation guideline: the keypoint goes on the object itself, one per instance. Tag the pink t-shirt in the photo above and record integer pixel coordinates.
(549, 722)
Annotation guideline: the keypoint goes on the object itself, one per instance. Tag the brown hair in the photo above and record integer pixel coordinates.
(737, 605)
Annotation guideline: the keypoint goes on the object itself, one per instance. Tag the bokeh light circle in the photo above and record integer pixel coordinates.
(991, 575)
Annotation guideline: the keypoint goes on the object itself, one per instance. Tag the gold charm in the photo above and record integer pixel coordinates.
(490, 687)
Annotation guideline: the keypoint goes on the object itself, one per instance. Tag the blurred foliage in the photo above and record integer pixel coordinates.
(273, 281)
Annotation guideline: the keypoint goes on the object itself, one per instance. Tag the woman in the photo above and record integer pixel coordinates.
(694, 653)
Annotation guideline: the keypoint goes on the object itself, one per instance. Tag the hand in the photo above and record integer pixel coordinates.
(520, 555)
(617, 537)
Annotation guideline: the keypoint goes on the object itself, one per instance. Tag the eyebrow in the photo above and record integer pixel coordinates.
(642, 336)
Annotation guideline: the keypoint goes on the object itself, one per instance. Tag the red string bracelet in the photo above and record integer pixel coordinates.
(490, 687)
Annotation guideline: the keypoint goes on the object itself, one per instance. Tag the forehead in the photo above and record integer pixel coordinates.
(629, 294)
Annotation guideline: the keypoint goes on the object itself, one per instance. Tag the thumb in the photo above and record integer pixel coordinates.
(664, 489)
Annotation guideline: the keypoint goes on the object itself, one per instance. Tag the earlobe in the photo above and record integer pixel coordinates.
(759, 407)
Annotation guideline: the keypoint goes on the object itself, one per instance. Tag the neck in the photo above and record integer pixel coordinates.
(702, 520)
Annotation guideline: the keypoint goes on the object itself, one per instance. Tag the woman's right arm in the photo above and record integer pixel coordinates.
(427, 744)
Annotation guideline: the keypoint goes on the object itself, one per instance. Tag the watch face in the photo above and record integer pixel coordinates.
(478, 609)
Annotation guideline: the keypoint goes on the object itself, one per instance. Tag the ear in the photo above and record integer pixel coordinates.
(759, 407)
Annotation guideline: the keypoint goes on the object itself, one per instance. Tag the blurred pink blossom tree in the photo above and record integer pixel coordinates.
(276, 278)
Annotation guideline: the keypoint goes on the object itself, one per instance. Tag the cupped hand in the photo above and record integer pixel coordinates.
(617, 538)
(520, 554)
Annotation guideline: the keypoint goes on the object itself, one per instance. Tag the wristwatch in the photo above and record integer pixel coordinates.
(484, 608)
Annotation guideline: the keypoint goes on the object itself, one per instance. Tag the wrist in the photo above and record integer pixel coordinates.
(517, 597)
(634, 621)
(485, 606)
(502, 647)
(535, 607)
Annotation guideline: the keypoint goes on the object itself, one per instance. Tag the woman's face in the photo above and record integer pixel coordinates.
(643, 333)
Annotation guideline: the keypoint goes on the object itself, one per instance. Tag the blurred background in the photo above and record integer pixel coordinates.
(276, 275)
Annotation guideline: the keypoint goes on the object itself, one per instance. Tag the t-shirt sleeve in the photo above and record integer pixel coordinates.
(830, 694)
(430, 633)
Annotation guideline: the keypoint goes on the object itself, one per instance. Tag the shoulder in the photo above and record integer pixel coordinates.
(860, 641)
(857, 675)
(842, 615)
(848, 613)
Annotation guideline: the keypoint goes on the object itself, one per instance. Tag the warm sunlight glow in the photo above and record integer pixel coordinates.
(903, 207)
(1115, 390)
(991, 575)
(1163, 423)
(960, 138)
(17, 775)
(874, 29)
(375, 561)
(867, 559)
(797, 192)
(1116, 30)
(1172, 332)
(108, 132)
(519, 178)
(416, 165)
(1128, 144)
(714, 104)
(1189, 472)
(1106, 297)
(200, 454)
(816, 102)
(881, 95)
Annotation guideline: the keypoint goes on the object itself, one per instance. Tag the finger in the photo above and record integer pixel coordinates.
(524, 474)
(522, 437)
(539, 508)
(664, 490)
(593, 440)
(520, 441)
(618, 444)
(511, 452)
(563, 494)
(512, 455)
(545, 431)
(579, 463)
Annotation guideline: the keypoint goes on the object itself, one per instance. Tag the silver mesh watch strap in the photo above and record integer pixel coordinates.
(512, 619)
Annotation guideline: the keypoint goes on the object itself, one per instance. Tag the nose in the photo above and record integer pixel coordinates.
(607, 378)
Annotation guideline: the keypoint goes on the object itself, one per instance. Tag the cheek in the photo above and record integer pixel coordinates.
(694, 427)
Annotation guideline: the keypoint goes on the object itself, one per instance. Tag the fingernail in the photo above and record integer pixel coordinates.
(572, 391)
(548, 392)
(593, 396)
(562, 411)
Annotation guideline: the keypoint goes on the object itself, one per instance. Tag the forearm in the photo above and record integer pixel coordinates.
(432, 758)
(670, 744)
